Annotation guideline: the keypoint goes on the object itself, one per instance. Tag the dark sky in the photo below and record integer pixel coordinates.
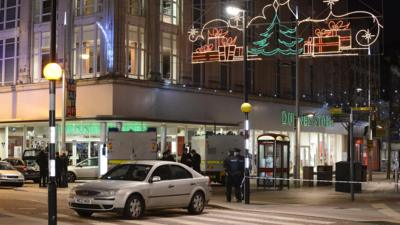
(391, 18)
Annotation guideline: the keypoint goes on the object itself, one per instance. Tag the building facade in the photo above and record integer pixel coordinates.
(131, 64)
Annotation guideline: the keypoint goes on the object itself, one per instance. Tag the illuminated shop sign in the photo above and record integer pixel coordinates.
(288, 119)
(92, 129)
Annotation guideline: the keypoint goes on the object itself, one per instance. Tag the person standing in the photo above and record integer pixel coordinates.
(238, 173)
(58, 169)
(42, 161)
(228, 175)
(186, 158)
(196, 161)
(167, 156)
(64, 170)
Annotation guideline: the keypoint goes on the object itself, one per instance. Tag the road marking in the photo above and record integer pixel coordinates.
(248, 219)
(384, 209)
(272, 217)
(139, 222)
(222, 221)
(27, 208)
(180, 221)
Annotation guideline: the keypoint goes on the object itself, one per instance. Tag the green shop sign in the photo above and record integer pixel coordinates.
(92, 129)
(288, 118)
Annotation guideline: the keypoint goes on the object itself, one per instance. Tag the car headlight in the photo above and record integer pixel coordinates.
(107, 193)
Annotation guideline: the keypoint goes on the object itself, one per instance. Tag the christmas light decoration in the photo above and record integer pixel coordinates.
(336, 38)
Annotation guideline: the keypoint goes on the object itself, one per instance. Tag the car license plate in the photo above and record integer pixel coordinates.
(83, 201)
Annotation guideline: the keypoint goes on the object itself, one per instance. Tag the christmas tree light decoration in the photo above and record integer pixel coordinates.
(286, 47)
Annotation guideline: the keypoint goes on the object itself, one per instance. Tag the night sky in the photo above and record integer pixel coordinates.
(392, 23)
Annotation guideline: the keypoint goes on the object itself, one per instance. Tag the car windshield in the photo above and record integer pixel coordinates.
(5, 166)
(131, 172)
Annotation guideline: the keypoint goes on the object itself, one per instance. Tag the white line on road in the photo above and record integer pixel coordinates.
(384, 209)
(179, 221)
(307, 221)
(225, 221)
(140, 222)
(253, 220)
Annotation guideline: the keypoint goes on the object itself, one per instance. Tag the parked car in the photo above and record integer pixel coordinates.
(87, 169)
(132, 188)
(18, 164)
(10, 176)
(32, 168)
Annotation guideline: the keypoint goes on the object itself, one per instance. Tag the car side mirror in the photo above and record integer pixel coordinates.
(155, 179)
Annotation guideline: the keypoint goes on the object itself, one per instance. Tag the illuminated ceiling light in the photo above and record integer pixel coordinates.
(383, 90)
(260, 95)
(331, 94)
(233, 11)
(318, 94)
(85, 56)
(304, 96)
(345, 92)
(230, 91)
(199, 88)
(359, 90)
(396, 91)
(184, 85)
(215, 91)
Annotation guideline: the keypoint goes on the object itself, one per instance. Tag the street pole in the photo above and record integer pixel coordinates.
(52, 189)
(296, 171)
(351, 154)
(370, 138)
(246, 114)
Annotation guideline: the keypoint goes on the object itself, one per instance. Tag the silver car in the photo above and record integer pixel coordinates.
(87, 169)
(10, 176)
(132, 188)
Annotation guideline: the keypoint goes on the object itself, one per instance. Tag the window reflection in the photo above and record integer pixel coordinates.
(136, 52)
(8, 61)
(170, 11)
(169, 58)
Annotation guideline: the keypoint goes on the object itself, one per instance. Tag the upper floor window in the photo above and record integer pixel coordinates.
(170, 11)
(9, 15)
(136, 52)
(86, 51)
(41, 54)
(9, 61)
(169, 57)
(42, 11)
(88, 7)
(136, 7)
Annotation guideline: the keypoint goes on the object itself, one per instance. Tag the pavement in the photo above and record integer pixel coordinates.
(378, 203)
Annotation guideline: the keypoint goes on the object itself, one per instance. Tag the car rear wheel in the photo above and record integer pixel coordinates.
(134, 207)
(197, 203)
(71, 177)
(84, 213)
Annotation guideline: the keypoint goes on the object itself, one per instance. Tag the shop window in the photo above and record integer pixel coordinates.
(9, 14)
(136, 7)
(169, 58)
(41, 54)
(86, 52)
(170, 11)
(136, 52)
(8, 61)
(88, 7)
(42, 11)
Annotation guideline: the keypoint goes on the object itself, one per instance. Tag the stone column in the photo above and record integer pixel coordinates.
(25, 33)
(163, 138)
(120, 10)
(152, 37)
(103, 161)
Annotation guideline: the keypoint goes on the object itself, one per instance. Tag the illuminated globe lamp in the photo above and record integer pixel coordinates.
(246, 107)
(52, 71)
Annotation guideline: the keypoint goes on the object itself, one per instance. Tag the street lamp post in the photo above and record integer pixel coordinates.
(246, 106)
(52, 72)
(296, 171)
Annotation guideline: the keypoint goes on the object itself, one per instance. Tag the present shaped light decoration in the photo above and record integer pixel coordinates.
(334, 40)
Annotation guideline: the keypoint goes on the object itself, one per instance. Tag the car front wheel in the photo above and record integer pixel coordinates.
(84, 213)
(197, 203)
(71, 177)
(134, 207)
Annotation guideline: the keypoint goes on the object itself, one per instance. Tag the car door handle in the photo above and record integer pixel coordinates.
(192, 184)
(171, 186)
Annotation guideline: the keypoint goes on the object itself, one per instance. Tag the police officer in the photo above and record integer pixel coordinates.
(228, 175)
(238, 174)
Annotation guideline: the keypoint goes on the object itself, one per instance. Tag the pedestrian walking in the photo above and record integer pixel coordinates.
(228, 175)
(196, 161)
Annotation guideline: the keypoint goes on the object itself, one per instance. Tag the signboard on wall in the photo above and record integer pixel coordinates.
(70, 103)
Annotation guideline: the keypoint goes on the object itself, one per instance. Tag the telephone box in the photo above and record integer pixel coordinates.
(273, 160)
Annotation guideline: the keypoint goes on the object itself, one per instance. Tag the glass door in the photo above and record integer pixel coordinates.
(265, 163)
